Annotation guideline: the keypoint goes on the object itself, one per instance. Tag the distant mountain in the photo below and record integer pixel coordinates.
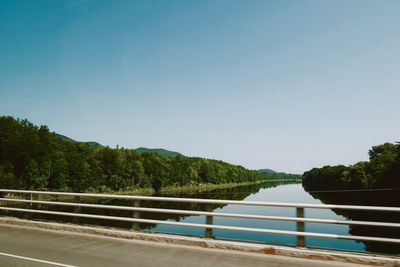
(266, 171)
(63, 137)
(160, 151)
(93, 143)
(287, 175)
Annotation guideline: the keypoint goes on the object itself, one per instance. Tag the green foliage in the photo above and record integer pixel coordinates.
(266, 171)
(160, 151)
(32, 157)
(381, 171)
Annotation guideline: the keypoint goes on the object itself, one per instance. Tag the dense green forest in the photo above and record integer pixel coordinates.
(32, 157)
(381, 171)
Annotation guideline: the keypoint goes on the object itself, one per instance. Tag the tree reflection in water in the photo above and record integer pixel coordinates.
(388, 198)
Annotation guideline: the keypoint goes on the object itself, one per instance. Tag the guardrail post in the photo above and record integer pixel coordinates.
(38, 197)
(31, 198)
(30, 205)
(208, 232)
(77, 199)
(300, 227)
(136, 214)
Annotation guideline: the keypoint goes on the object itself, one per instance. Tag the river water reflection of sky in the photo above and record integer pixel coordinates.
(281, 193)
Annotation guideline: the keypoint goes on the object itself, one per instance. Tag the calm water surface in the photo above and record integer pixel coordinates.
(281, 193)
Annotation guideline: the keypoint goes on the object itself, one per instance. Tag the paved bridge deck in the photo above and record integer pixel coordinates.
(21, 246)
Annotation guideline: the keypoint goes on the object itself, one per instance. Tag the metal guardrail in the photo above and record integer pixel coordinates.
(300, 218)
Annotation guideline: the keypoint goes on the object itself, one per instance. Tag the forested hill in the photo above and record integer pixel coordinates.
(32, 157)
(381, 171)
(93, 143)
(160, 151)
(266, 171)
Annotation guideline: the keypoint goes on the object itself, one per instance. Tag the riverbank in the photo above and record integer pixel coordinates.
(165, 191)
(194, 188)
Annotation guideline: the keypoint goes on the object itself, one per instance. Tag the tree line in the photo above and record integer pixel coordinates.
(32, 157)
(381, 171)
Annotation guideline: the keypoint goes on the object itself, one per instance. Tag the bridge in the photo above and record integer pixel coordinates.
(29, 242)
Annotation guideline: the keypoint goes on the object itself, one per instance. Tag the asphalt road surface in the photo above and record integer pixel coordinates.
(40, 248)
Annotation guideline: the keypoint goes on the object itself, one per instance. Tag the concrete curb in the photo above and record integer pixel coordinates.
(357, 258)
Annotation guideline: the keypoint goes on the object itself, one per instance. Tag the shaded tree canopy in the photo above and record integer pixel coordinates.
(32, 157)
(381, 171)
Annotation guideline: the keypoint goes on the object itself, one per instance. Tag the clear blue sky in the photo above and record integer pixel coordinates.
(286, 85)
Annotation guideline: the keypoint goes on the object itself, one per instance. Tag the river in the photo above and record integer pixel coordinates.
(280, 193)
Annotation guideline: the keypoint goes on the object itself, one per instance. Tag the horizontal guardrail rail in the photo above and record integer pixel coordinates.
(192, 212)
(300, 220)
(208, 201)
